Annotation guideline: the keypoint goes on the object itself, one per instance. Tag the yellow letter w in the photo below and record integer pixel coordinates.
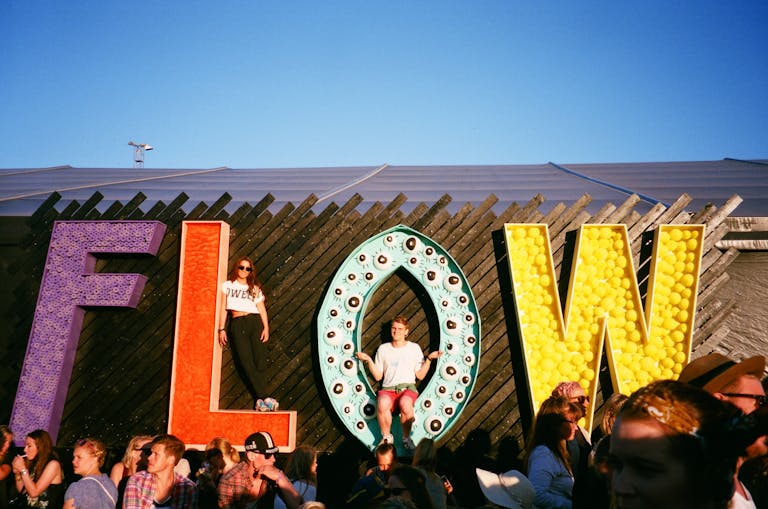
(603, 306)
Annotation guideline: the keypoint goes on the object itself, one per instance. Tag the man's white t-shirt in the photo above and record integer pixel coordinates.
(399, 365)
(239, 298)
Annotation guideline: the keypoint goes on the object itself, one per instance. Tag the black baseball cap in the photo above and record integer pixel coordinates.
(260, 442)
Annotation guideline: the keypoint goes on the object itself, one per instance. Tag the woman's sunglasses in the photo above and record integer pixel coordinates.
(247, 269)
(759, 398)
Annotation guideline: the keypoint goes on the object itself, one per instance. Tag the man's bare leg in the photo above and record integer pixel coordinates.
(406, 419)
(384, 415)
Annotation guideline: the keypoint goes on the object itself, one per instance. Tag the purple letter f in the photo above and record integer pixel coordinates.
(68, 284)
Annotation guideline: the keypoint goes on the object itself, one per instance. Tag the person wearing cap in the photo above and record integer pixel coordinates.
(398, 365)
(159, 486)
(739, 384)
(511, 489)
(255, 482)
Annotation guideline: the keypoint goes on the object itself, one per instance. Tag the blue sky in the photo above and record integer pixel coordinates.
(326, 83)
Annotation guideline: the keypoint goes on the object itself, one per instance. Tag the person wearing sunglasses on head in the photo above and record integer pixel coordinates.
(256, 482)
(159, 486)
(739, 384)
(580, 445)
(247, 330)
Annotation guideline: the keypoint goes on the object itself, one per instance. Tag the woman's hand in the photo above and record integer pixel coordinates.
(434, 355)
(18, 464)
(265, 335)
(222, 337)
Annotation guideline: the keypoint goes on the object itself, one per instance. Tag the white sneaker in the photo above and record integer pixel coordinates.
(261, 406)
(387, 439)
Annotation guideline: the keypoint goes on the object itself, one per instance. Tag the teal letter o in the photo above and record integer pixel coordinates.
(339, 325)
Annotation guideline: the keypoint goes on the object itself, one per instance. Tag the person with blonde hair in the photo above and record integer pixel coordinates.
(127, 466)
(134, 459)
(159, 485)
(611, 409)
(229, 454)
(397, 366)
(95, 490)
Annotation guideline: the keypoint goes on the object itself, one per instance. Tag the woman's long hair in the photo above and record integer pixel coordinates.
(251, 279)
(45, 452)
(130, 464)
(547, 429)
(299, 467)
(225, 447)
(611, 409)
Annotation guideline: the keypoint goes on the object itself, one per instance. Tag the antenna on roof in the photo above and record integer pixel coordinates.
(138, 153)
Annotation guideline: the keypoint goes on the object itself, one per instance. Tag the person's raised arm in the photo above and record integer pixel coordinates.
(376, 372)
(289, 494)
(424, 369)
(51, 475)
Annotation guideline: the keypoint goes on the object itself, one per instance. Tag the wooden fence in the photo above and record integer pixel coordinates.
(121, 379)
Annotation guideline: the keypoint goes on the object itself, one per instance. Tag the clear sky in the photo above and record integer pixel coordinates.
(295, 83)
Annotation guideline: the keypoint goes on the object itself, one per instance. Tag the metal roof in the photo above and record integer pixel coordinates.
(22, 191)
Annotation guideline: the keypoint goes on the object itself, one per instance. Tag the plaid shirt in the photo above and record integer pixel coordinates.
(235, 487)
(140, 492)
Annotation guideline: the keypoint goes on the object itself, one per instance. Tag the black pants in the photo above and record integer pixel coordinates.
(249, 353)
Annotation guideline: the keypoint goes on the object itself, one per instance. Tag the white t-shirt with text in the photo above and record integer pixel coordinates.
(239, 298)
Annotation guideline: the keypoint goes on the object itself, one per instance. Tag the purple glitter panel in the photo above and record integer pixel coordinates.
(69, 283)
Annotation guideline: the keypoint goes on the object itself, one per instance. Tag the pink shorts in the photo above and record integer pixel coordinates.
(395, 397)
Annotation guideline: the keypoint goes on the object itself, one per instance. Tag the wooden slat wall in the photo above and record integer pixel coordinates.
(120, 384)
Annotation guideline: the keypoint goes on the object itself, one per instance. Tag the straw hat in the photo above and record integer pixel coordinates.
(510, 489)
(714, 372)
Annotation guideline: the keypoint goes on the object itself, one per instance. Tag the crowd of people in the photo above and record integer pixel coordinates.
(698, 442)
(695, 443)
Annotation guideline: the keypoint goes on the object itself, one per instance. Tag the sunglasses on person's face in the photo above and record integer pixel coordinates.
(247, 269)
(581, 399)
(760, 399)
